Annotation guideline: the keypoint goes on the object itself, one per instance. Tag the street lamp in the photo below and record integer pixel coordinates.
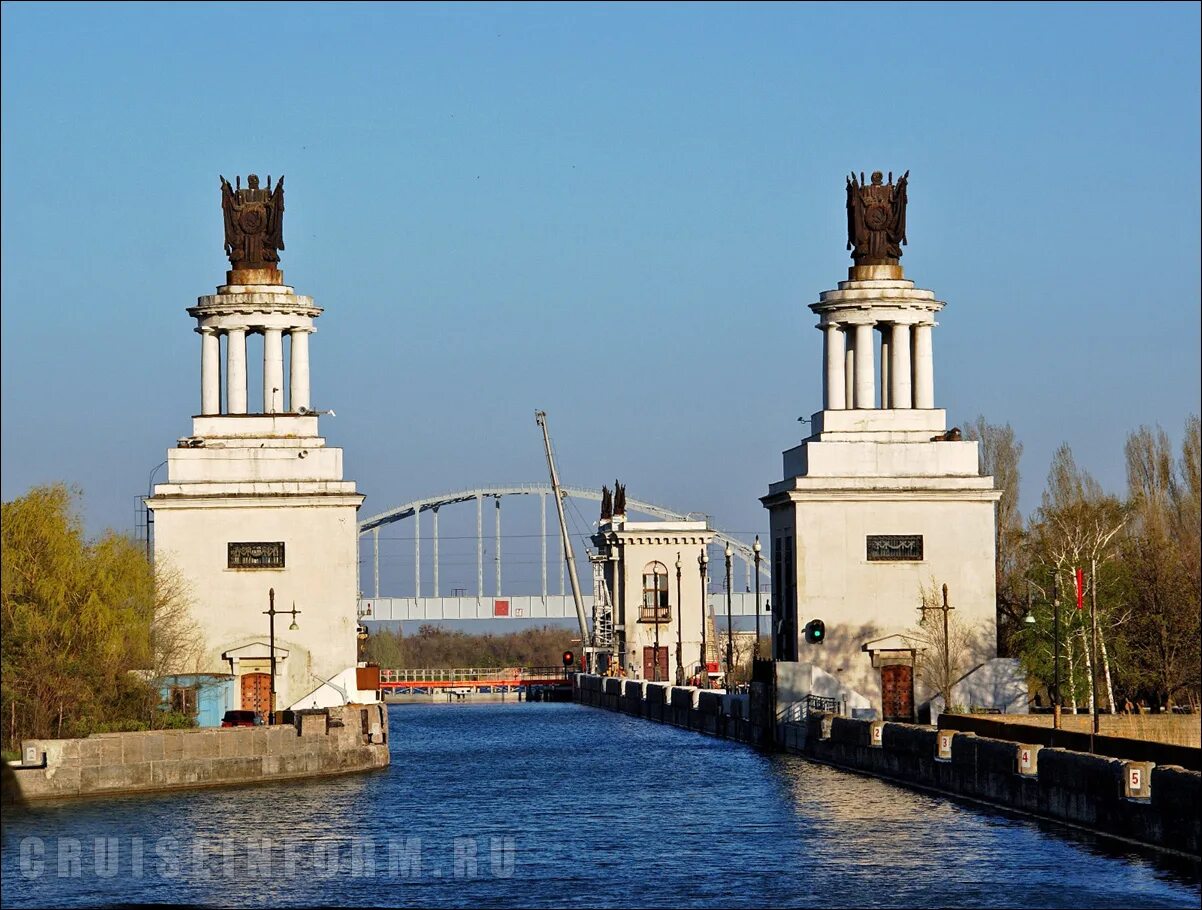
(1055, 642)
(655, 607)
(755, 651)
(730, 635)
(703, 562)
(947, 656)
(270, 613)
(679, 627)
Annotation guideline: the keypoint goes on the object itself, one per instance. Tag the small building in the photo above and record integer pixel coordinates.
(651, 574)
(203, 696)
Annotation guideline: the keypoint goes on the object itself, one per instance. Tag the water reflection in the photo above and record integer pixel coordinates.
(553, 805)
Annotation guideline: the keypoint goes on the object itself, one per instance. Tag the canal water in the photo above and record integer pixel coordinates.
(534, 805)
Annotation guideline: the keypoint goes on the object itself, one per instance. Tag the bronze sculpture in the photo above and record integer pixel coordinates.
(254, 222)
(876, 218)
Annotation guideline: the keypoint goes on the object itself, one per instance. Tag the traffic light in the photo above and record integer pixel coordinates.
(815, 632)
(568, 658)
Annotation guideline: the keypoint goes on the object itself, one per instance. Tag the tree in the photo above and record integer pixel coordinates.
(1000, 454)
(1078, 526)
(86, 624)
(1161, 551)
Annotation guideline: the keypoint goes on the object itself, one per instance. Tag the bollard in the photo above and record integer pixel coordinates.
(1137, 779)
(1028, 760)
(943, 745)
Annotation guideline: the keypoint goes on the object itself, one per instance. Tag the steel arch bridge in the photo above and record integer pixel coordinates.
(741, 551)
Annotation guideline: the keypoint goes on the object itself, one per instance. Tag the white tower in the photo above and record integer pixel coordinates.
(880, 502)
(255, 500)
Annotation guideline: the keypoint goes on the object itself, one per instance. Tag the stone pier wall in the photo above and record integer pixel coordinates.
(327, 741)
(1135, 800)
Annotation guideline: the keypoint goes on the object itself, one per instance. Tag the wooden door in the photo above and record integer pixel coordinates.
(649, 664)
(256, 693)
(897, 692)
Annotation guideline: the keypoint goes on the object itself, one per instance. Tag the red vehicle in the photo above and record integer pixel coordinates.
(242, 719)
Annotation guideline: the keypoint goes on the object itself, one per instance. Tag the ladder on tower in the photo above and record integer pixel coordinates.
(603, 607)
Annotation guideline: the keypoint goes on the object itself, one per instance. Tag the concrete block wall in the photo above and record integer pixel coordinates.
(326, 741)
(1072, 787)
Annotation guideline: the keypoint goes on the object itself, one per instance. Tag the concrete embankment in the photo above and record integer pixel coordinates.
(322, 742)
(1135, 800)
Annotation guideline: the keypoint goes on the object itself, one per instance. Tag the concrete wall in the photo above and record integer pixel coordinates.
(329, 741)
(1089, 791)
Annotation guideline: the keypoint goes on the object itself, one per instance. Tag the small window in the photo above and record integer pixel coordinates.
(252, 555)
(183, 700)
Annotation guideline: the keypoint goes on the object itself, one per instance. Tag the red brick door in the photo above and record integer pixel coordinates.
(897, 692)
(256, 693)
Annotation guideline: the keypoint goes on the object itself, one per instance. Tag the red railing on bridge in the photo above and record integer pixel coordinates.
(472, 678)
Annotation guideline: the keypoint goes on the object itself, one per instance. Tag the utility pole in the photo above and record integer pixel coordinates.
(730, 632)
(540, 418)
(679, 628)
(1093, 648)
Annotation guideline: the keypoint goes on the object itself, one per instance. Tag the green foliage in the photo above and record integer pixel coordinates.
(435, 647)
(1145, 547)
(77, 618)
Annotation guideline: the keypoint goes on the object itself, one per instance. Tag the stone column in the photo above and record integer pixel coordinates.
(886, 400)
(865, 380)
(849, 367)
(899, 370)
(834, 391)
(273, 371)
(235, 370)
(210, 370)
(924, 367)
(298, 396)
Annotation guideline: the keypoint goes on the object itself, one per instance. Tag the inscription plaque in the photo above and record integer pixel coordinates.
(256, 555)
(894, 547)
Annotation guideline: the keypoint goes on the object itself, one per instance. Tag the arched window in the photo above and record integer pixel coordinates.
(655, 594)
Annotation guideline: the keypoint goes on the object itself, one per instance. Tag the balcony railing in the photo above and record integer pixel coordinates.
(655, 614)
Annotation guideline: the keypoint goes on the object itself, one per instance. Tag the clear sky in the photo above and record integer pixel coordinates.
(616, 213)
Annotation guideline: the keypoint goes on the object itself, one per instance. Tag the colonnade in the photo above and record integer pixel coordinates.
(235, 368)
(907, 377)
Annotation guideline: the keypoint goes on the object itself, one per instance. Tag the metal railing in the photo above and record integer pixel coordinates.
(655, 614)
(468, 675)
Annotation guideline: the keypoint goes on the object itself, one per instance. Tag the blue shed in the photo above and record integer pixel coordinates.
(204, 696)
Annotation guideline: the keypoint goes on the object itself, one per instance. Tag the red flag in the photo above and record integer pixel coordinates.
(1080, 579)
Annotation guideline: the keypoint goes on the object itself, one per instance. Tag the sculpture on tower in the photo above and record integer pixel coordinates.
(876, 218)
(254, 222)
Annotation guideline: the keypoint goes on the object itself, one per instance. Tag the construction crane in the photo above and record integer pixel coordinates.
(586, 644)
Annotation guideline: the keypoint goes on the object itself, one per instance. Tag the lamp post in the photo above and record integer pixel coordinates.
(730, 632)
(702, 564)
(655, 606)
(755, 651)
(1055, 642)
(946, 670)
(270, 613)
(679, 627)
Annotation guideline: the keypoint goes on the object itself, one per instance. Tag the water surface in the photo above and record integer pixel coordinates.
(540, 805)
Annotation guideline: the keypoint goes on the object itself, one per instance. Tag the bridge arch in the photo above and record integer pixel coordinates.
(414, 509)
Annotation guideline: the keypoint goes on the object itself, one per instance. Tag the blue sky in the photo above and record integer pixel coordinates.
(614, 213)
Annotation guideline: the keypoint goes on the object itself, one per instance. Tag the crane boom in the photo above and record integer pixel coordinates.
(540, 418)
